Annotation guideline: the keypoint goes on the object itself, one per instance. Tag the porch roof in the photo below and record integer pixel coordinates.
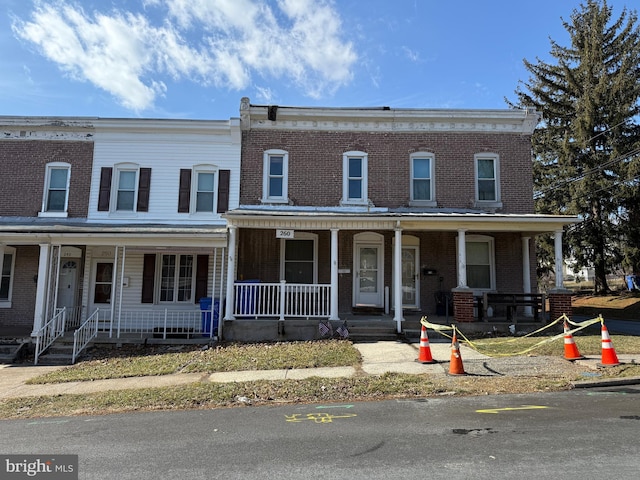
(34, 230)
(359, 218)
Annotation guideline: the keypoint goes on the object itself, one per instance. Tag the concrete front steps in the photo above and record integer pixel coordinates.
(11, 352)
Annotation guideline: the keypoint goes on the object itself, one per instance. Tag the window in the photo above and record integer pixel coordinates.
(204, 192)
(275, 180)
(299, 259)
(487, 181)
(177, 278)
(354, 186)
(56, 189)
(174, 278)
(7, 261)
(480, 262)
(130, 189)
(208, 193)
(104, 282)
(422, 184)
(126, 190)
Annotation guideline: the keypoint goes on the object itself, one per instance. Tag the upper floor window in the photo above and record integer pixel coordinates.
(355, 178)
(203, 190)
(487, 179)
(56, 189)
(275, 180)
(130, 188)
(7, 263)
(422, 179)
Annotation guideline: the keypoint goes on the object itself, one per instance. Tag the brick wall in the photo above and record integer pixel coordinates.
(22, 174)
(559, 304)
(24, 289)
(315, 166)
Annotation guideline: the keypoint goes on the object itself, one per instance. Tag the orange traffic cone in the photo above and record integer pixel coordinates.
(424, 353)
(570, 348)
(456, 367)
(609, 357)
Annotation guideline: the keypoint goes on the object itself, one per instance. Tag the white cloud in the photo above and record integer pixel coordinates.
(293, 41)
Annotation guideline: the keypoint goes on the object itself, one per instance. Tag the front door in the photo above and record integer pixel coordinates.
(67, 291)
(369, 276)
(410, 277)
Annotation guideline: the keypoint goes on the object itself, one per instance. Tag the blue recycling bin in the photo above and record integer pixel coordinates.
(246, 301)
(632, 282)
(205, 307)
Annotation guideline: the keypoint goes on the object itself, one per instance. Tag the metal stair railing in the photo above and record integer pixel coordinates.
(84, 334)
(50, 332)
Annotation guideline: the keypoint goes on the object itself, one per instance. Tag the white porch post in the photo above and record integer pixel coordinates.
(462, 259)
(41, 288)
(557, 241)
(526, 272)
(231, 264)
(397, 279)
(334, 275)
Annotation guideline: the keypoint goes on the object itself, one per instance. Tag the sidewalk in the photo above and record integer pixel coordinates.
(377, 359)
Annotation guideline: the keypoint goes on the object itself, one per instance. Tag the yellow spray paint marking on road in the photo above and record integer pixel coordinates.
(509, 409)
(316, 417)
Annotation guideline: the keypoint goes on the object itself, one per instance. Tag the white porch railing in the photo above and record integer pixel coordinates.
(49, 332)
(83, 335)
(159, 323)
(282, 300)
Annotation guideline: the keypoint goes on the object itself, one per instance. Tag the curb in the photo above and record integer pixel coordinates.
(607, 382)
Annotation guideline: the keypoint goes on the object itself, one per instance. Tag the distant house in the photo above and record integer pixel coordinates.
(351, 210)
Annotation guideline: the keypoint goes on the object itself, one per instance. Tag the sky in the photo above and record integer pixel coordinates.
(195, 59)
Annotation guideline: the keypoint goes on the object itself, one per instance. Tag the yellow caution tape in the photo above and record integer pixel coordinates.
(475, 346)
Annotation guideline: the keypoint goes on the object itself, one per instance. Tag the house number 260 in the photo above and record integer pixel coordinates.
(284, 233)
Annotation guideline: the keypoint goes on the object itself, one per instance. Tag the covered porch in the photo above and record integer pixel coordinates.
(373, 260)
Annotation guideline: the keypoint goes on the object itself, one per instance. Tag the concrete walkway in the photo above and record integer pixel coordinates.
(377, 359)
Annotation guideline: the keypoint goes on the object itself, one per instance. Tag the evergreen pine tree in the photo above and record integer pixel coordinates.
(589, 96)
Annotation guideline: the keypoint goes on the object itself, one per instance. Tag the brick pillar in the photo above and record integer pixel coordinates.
(559, 303)
(463, 305)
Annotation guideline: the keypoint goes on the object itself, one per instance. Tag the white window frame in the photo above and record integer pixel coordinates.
(6, 302)
(300, 236)
(158, 280)
(266, 164)
(364, 158)
(193, 202)
(430, 202)
(44, 212)
(496, 172)
(492, 261)
(115, 187)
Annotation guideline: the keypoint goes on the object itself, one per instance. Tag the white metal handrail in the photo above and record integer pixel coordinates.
(50, 332)
(282, 300)
(84, 334)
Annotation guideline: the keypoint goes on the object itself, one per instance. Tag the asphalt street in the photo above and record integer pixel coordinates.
(579, 434)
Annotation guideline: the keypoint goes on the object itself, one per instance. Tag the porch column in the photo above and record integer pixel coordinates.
(462, 259)
(397, 280)
(231, 270)
(557, 243)
(559, 297)
(334, 275)
(526, 272)
(41, 288)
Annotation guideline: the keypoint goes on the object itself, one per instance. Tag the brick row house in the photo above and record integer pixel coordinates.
(280, 219)
(379, 210)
